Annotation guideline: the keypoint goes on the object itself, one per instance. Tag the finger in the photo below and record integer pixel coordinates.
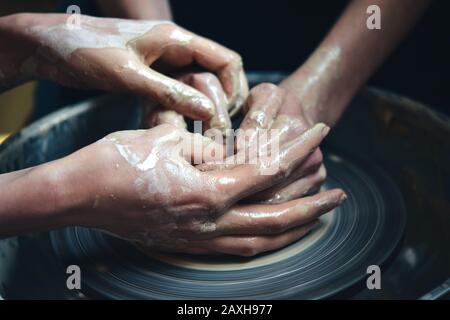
(247, 179)
(260, 219)
(228, 66)
(287, 127)
(277, 218)
(198, 149)
(253, 150)
(310, 166)
(234, 107)
(172, 94)
(160, 116)
(300, 188)
(181, 47)
(262, 106)
(210, 86)
(250, 246)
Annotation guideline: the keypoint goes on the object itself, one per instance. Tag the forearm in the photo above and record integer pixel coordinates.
(136, 9)
(349, 55)
(37, 199)
(14, 51)
(18, 53)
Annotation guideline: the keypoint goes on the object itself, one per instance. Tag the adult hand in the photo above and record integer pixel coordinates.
(277, 112)
(140, 186)
(208, 84)
(117, 55)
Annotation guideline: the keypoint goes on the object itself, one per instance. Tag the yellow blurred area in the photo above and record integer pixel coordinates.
(3, 137)
(15, 109)
(16, 104)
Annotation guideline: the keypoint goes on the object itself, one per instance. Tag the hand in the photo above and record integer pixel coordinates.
(271, 108)
(139, 186)
(206, 83)
(313, 91)
(115, 55)
(292, 122)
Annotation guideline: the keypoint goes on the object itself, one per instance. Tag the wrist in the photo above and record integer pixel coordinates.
(66, 200)
(17, 50)
(74, 189)
(31, 200)
(19, 58)
(321, 89)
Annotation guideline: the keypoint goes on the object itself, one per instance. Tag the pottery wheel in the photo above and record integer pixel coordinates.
(363, 231)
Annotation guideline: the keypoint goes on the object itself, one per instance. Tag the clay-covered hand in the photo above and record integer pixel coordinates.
(144, 186)
(273, 116)
(291, 122)
(318, 85)
(119, 55)
(208, 84)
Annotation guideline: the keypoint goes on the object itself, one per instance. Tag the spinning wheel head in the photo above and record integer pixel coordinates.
(364, 231)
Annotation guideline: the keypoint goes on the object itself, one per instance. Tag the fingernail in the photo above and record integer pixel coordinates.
(325, 131)
(321, 128)
(342, 198)
(224, 123)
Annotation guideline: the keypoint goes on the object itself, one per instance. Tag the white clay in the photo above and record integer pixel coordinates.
(115, 33)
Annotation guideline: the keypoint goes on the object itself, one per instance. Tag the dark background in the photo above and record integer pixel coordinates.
(279, 35)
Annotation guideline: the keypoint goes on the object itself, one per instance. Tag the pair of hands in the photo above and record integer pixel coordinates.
(138, 186)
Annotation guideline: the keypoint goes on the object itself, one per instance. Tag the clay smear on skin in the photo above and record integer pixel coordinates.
(324, 62)
(162, 165)
(177, 88)
(93, 33)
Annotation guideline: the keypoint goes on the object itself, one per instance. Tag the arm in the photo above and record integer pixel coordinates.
(139, 186)
(16, 48)
(30, 201)
(116, 55)
(136, 9)
(349, 55)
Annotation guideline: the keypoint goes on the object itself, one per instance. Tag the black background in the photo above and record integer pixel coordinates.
(280, 34)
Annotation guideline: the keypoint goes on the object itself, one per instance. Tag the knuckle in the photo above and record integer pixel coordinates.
(165, 30)
(266, 87)
(170, 97)
(213, 203)
(236, 58)
(200, 227)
